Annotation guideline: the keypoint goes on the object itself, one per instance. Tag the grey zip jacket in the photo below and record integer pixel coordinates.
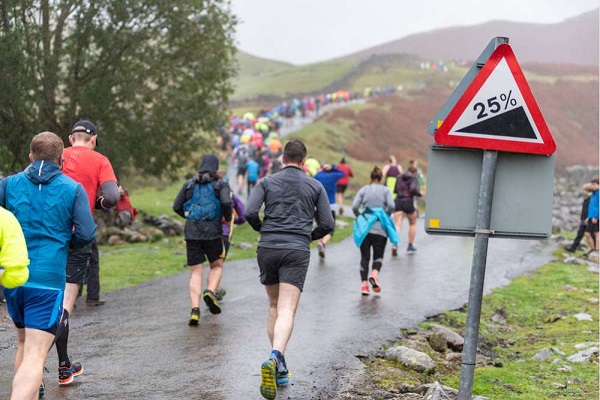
(292, 201)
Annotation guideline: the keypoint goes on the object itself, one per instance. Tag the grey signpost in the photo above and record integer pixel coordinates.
(482, 236)
(446, 163)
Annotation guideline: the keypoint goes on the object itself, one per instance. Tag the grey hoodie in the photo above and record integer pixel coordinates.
(374, 195)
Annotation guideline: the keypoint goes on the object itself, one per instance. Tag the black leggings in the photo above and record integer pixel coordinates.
(377, 242)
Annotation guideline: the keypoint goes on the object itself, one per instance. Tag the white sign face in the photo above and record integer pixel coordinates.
(498, 109)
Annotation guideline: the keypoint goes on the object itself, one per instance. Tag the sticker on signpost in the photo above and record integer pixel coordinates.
(498, 111)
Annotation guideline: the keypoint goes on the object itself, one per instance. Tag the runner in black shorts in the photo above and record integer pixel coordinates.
(407, 187)
(78, 265)
(292, 201)
(203, 234)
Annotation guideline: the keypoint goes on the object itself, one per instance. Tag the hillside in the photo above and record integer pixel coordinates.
(566, 92)
(398, 124)
(573, 41)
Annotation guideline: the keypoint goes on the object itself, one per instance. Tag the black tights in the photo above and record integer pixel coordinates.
(377, 242)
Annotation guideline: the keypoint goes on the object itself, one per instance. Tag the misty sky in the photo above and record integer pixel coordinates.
(306, 31)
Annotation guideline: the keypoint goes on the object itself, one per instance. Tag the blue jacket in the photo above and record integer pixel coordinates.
(252, 167)
(593, 206)
(53, 210)
(365, 220)
(329, 180)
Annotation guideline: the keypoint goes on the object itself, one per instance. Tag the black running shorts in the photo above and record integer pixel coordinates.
(199, 250)
(406, 206)
(341, 188)
(592, 227)
(78, 264)
(283, 266)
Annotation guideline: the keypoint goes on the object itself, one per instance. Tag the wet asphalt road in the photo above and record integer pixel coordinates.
(139, 346)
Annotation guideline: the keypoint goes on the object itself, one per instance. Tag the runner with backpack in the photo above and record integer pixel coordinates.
(204, 201)
(407, 188)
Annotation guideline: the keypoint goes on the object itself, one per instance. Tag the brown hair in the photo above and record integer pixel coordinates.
(376, 174)
(46, 146)
(294, 152)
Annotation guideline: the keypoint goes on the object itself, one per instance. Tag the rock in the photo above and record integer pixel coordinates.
(569, 288)
(454, 357)
(583, 317)
(437, 342)
(558, 351)
(585, 345)
(542, 355)
(583, 355)
(341, 224)
(480, 398)
(244, 245)
(555, 361)
(499, 317)
(436, 392)
(422, 389)
(455, 341)
(593, 300)
(114, 240)
(152, 233)
(594, 257)
(565, 368)
(595, 270)
(410, 358)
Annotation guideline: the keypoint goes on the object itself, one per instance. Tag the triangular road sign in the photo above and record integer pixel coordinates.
(498, 111)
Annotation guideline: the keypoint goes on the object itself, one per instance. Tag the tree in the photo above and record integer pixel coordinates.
(149, 73)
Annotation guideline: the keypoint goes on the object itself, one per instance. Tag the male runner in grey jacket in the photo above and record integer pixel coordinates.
(292, 200)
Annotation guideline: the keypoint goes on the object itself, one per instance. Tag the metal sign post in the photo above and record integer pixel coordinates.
(482, 236)
(474, 118)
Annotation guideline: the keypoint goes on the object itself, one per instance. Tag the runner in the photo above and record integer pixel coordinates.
(253, 170)
(407, 187)
(237, 218)
(37, 306)
(342, 184)
(95, 173)
(203, 201)
(391, 171)
(13, 252)
(328, 177)
(240, 157)
(371, 206)
(292, 201)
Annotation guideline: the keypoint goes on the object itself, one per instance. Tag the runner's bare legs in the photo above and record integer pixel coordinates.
(195, 285)
(214, 275)
(32, 350)
(283, 302)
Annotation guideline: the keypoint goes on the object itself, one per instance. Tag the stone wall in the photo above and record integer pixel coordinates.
(568, 197)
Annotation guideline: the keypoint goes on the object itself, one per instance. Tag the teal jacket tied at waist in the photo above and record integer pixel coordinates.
(365, 220)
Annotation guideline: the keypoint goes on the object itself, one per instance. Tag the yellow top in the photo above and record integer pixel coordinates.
(13, 251)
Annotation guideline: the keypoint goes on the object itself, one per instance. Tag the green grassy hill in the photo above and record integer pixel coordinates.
(567, 95)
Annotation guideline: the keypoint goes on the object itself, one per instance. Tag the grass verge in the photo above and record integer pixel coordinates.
(131, 264)
(539, 311)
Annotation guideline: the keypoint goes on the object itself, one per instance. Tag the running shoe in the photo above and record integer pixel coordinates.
(211, 301)
(283, 374)
(194, 317)
(411, 248)
(364, 289)
(268, 373)
(67, 373)
(283, 377)
(220, 293)
(374, 281)
(321, 249)
(394, 251)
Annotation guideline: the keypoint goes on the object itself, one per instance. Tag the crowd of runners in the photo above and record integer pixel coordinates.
(296, 190)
